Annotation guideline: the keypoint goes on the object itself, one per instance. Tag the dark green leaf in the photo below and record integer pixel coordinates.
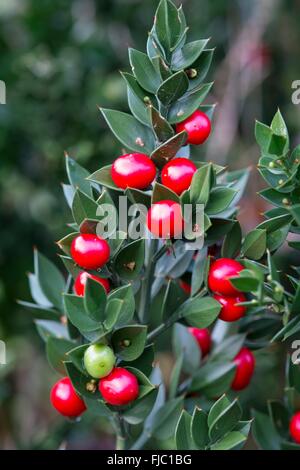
(75, 311)
(129, 342)
(199, 311)
(165, 419)
(219, 200)
(213, 379)
(232, 242)
(188, 54)
(254, 244)
(167, 25)
(125, 294)
(201, 66)
(161, 127)
(78, 176)
(173, 88)
(83, 207)
(184, 343)
(165, 152)
(144, 70)
(50, 279)
(130, 260)
(264, 432)
(95, 300)
(161, 192)
(183, 435)
(201, 184)
(189, 102)
(230, 441)
(225, 421)
(56, 350)
(200, 428)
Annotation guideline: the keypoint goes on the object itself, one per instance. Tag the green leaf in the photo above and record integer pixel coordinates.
(38, 311)
(173, 88)
(255, 244)
(161, 127)
(165, 419)
(78, 176)
(129, 342)
(50, 279)
(230, 441)
(125, 294)
(199, 428)
(219, 200)
(103, 177)
(76, 355)
(129, 131)
(175, 376)
(48, 328)
(95, 300)
(167, 25)
(183, 435)
(228, 348)
(165, 152)
(161, 192)
(264, 432)
(174, 296)
(199, 311)
(144, 362)
(36, 291)
(280, 417)
(189, 102)
(141, 408)
(188, 54)
(138, 197)
(263, 135)
(137, 100)
(130, 259)
(246, 281)
(144, 70)
(275, 223)
(80, 382)
(201, 184)
(184, 343)
(56, 350)
(217, 409)
(71, 267)
(232, 242)
(75, 311)
(83, 207)
(278, 125)
(66, 242)
(225, 421)
(201, 66)
(113, 312)
(200, 271)
(294, 376)
(213, 379)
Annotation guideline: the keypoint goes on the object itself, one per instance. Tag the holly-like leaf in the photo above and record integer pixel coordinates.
(188, 103)
(95, 300)
(201, 67)
(167, 25)
(129, 342)
(126, 296)
(130, 260)
(75, 311)
(225, 421)
(188, 54)
(201, 184)
(255, 244)
(144, 70)
(83, 207)
(161, 192)
(129, 131)
(219, 200)
(173, 88)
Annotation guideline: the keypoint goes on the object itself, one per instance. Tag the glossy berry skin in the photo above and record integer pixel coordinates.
(295, 427)
(245, 362)
(203, 338)
(177, 174)
(80, 282)
(99, 360)
(230, 311)
(134, 170)
(197, 126)
(164, 219)
(219, 272)
(90, 251)
(120, 387)
(65, 400)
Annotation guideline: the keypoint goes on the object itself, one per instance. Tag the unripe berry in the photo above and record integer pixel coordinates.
(90, 251)
(203, 338)
(120, 387)
(133, 170)
(230, 311)
(245, 364)
(219, 273)
(65, 399)
(177, 174)
(80, 282)
(99, 360)
(197, 127)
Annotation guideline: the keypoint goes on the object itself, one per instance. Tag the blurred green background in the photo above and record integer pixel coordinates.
(59, 60)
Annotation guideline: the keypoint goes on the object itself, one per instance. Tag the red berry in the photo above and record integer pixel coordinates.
(295, 427)
(219, 273)
(177, 174)
(80, 282)
(185, 286)
(120, 387)
(65, 400)
(164, 219)
(134, 170)
(245, 363)
(197, 126)
(90, 251)
(203, 338)
(230, 311)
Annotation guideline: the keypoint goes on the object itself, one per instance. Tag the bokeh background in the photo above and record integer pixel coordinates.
(59, 60)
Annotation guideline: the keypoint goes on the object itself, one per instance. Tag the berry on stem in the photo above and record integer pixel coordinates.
(197, 127)
(120, 387)
(219, 272)
(164, 219)
(80, 282)
(99, 360)
(295, 427)
(230, 311)
(65, 399)
(134, 170)
(203, 338)
(177, 174)
(90, 251)
(245, 364)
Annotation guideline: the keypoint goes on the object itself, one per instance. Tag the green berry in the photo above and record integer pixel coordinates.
(99, 360)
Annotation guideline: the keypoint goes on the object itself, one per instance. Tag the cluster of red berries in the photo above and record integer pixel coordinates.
(224, 292)
(117, 385)
(137, 170)
(244, 360)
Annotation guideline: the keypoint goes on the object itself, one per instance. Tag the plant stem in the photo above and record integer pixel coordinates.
(147, 283)
(120, 432)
